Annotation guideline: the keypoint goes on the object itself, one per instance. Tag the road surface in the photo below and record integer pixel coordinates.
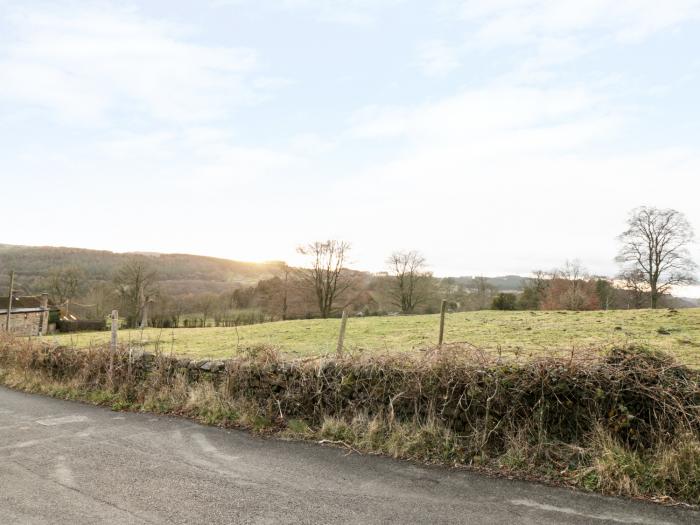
(66, 462)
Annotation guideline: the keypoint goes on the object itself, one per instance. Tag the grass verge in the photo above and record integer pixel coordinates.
(624, 423)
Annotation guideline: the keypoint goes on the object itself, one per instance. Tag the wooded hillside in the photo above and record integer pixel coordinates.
(179, 274)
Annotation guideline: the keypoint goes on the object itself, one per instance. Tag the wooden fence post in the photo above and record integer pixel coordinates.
(9, 302)
(115, 327)
(113, 344)
(341, 336)
(443, 307)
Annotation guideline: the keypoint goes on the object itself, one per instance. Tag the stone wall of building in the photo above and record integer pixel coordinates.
(26, 323)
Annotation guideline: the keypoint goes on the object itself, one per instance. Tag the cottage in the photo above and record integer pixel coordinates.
(28, 315)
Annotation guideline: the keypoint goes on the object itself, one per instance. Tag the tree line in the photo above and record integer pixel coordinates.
(653, 257)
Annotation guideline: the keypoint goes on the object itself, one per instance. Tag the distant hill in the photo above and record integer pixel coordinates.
(686, 302)
(179, 273)
(505, 283)
(185, 277)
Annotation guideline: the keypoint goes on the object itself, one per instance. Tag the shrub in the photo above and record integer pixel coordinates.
(504, 301)
(81, 326)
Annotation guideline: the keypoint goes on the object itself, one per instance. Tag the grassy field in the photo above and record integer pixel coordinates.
(525, 333)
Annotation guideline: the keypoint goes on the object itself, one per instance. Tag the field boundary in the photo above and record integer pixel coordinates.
(626, 423)
(523, 335)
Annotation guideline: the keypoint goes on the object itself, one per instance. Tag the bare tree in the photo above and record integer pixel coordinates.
(284, 278)
(411, 283)
(656, 244)
(206, 305)
(634, 283)
(571, 288)
(535, 290)
(483, 292)
(137, 285)
(65, 284)
(576, 275)
(274, 293)
(102, 298)
(326, 276)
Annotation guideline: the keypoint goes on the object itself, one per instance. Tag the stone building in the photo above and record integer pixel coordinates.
(28, 315)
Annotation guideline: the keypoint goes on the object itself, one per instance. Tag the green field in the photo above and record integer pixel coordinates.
(525, 333)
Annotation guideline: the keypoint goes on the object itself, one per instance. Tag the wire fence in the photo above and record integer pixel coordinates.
(505, 345)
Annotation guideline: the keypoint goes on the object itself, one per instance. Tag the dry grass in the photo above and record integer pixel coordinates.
(625, 423)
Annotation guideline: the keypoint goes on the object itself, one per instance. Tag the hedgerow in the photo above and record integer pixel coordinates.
(624, 421)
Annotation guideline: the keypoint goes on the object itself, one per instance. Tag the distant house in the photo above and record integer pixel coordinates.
(29, 315)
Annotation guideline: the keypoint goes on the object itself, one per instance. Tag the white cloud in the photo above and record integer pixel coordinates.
(475, 114)
(551, 33)
(209, 156)
(522, 21)
(348, 12)
(502, 179)
(510, 174)
(310, 144)
(437, 58)
(91, 65)
(192, 190)
(140, 132)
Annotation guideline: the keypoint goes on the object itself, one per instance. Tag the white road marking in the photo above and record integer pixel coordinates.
(204, 444)
(53, 421)
(63, 472)
(86, 433)
(617, 518)
(6, 427)
(195, 458)
(207, 447)
(26, 444)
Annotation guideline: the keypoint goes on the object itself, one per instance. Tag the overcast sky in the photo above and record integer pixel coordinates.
(496, 136)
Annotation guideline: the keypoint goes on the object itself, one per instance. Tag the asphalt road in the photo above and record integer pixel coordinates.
(65, 462)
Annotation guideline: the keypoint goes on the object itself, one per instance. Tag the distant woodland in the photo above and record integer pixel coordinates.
(179, 290)
(195, 290)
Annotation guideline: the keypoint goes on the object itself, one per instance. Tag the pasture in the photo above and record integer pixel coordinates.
(522, 333)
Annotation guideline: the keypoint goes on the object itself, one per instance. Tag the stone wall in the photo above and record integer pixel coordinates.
(26, 323)
(636, 395)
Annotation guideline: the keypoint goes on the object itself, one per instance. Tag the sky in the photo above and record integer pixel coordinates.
(495, 136)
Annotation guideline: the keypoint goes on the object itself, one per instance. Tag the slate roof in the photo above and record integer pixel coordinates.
(22, 304)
